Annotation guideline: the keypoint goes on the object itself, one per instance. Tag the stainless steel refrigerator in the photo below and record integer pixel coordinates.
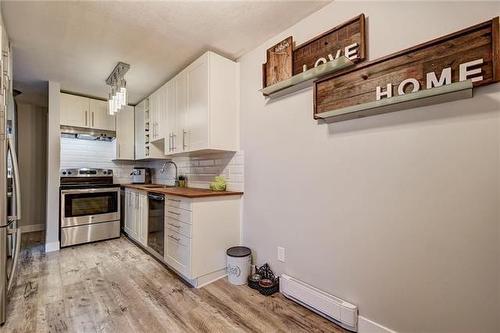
(10, 200)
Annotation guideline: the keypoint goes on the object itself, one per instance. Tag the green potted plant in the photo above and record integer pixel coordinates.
(219, 184)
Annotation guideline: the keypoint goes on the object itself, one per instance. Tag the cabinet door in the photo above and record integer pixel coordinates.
(143, 205)
(135, 215)
(125, 133)
(140, 133)
(181, 134)
(128, 212)
(74, 111)
(170, 119)
(151, 112)
(197, 104)
(161, 114)
(99, 117)
(153, 115)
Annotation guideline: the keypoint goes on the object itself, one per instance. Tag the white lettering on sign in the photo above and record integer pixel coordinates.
(280, 47)
(350, 51)
(320, 61)
(464, 73)
(445, 78)
(404, 83)
(387, 93)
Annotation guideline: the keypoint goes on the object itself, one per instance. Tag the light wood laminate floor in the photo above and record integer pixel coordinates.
(113, 286)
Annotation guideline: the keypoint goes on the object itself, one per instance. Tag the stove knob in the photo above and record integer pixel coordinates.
(64, 172)
(69, 172)
(104, 172)
(110, 172)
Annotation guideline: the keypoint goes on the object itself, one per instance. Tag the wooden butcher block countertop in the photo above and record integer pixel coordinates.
(188, 192)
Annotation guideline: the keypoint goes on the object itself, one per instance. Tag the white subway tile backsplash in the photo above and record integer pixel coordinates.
(206, 162)
(199, 170)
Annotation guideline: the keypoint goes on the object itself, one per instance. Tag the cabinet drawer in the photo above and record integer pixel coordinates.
(178, 203)
(178, 251)
(181, 227)
(178, 214)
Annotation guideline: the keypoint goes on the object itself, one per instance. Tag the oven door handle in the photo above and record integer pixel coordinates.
(91, 190)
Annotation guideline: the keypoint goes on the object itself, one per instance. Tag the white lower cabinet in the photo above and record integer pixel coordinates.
(136, 215)
(178, 251)
(197, 234)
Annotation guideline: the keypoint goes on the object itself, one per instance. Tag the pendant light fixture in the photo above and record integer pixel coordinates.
(118, 88)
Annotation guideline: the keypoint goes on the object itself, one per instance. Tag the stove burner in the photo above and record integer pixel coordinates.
(86, 178)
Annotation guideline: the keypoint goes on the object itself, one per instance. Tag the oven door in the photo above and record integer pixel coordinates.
(86, 206)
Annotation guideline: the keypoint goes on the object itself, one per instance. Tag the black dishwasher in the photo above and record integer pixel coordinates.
(156, 223)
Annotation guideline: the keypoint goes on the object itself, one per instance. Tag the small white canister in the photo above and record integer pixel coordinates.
(239, 262)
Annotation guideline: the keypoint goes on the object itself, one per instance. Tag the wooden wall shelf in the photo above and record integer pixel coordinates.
(304, 79)
(446, 93)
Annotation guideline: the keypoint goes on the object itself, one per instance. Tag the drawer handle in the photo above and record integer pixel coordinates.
(177, 239)
(173, 225)
(174, 200)
(175, 213)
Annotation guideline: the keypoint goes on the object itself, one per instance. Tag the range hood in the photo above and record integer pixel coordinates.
(83, 133)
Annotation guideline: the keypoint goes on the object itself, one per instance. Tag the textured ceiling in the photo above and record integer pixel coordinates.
(79, 43)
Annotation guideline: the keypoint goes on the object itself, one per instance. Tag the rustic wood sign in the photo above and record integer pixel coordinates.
(283, 60)
(470, 54)
(279, 62)
(346, 39)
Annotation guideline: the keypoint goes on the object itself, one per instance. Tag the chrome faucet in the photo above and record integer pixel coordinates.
(164, 169)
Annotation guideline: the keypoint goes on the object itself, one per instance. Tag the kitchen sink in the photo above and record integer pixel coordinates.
(158, 186)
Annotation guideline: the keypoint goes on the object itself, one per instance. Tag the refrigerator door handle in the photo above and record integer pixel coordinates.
(10, 279)
(15, 166)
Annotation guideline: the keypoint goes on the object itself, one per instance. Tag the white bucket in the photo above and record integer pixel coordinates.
(239, 263)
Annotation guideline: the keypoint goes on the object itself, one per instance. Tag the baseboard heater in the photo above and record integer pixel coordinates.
(332, 308)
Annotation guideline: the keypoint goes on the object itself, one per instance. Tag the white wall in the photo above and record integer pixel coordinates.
(32, 154)
(53, 158)
(397, 213)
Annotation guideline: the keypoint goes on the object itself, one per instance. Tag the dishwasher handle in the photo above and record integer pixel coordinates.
(158, 197)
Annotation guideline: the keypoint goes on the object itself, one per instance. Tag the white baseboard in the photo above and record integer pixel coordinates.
(32, 228)
(365, 325)
(51, 247)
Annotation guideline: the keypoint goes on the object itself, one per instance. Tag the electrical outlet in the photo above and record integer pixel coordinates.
(281, 254)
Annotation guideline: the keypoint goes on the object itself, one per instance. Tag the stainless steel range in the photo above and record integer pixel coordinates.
(90, 206)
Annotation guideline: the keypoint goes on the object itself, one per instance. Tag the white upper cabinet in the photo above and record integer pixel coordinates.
(197, 121)
(171, 118)
(154, 105)
(140, 131)
(125, 140)
(180, 110)
(197, 110)
(205, 117)
(176, 115)
(85, 112)
(157, 114)
(99, 116)
(74, 111)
